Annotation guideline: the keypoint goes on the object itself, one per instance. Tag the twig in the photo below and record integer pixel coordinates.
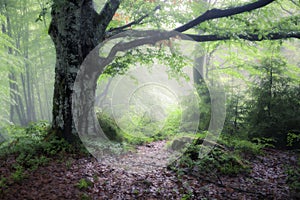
(114, 31)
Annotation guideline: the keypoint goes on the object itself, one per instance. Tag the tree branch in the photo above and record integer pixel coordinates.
(136, 21)
(219, 13)
(250, 37)
(107, 13)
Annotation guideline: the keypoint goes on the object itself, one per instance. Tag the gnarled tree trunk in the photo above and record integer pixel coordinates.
(76, 28)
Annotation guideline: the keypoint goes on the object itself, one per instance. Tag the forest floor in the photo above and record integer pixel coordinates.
(143, 175)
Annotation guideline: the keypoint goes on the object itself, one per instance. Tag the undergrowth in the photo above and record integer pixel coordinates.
(29, 148)
(229, 157)
(293, 179)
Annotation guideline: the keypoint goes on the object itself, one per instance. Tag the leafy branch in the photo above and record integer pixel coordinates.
(120, 29)
(220, 13)
(215, 14)
(250, 37)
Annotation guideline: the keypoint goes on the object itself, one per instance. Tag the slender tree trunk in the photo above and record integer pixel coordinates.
(16, 100)
(42, 116)
(12, 102)
(270, 89)
(45, 89)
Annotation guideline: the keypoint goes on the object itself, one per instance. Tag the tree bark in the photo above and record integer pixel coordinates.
(76, 28)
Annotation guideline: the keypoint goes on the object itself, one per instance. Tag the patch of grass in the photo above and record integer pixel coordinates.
(137, 140)
(3, 182)
(19, 174)
(3, 185)
(85, 196)
(84, 184)
(187, 196)
(68, 164)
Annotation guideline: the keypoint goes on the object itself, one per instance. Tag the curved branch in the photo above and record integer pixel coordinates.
(249, 37)
(219, 13)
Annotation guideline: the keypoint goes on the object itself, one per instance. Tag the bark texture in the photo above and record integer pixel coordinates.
(76, 28)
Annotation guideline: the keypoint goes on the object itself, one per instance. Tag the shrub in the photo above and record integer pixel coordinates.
(216, 161)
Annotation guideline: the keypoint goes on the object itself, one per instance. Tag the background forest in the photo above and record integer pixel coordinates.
(260, 76)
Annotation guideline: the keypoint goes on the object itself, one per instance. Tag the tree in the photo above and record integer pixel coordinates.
(76, 28)
(275, 105)
(22, 36)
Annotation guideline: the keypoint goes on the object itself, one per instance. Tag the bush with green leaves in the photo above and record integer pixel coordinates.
(245, 148)
(217, 161)
(293, 139)
(33, 146)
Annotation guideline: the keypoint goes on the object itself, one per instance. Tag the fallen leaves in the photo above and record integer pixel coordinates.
(58, 180)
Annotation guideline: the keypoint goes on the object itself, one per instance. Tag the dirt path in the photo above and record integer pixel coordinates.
(147, 158)
(142, 175)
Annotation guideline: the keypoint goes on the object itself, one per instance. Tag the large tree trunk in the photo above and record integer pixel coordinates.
(75, 32)
(76, 29)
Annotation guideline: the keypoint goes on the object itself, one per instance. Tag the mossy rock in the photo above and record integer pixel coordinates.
(109, 127)
(180, 143)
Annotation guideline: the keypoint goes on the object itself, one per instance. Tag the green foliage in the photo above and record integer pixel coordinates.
(27, 63)
(35, 162)
(217, 161)
(37, 130)
(68, 164)
(33, 147)
(235, 123)
(133, 135)
(134, 132)
(137, 140)
(31, 161)
(85, 196)
(293, 179)
(293, 139)
(187, 196)
(245, 147)
(165, 55)
(3, 183)
(264, 142)
(19, 174)
(171, 125)
(109, 127)
(275, 106)
(55, 145)
(141, 125)
(84, 184)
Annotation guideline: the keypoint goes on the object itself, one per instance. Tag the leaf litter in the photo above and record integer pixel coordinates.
(143, 175)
